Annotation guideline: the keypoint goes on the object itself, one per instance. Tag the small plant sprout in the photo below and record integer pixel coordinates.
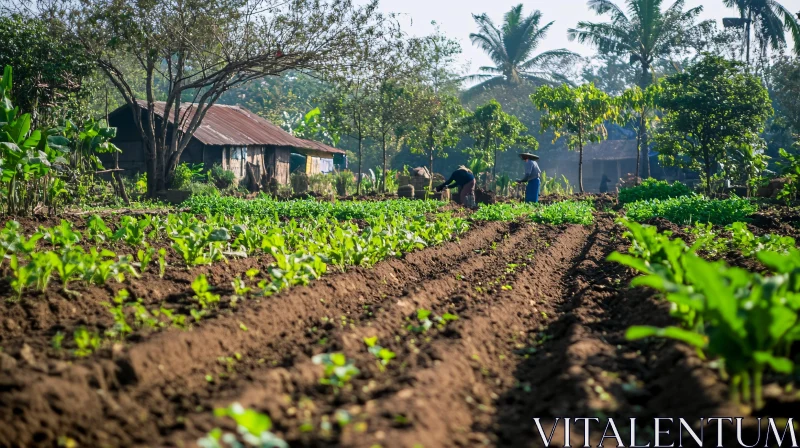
(253, 427)
(384, 355)
(56, 341)
(427, 319)
(145, 257)
(162, 262)
(338, 370)
(87, 341)
(202, 291)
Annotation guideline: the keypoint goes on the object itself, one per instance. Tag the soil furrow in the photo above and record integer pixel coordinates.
(587, 368)
(41, 397)
(452, 291)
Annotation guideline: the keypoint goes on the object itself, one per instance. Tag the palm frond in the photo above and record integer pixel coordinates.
(601, 7)
(489, 84)
(547, 58)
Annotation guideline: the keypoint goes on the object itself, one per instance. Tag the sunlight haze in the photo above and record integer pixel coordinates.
(455, 20)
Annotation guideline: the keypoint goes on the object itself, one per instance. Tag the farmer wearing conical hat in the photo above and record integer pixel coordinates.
(463, 178)
(532, 173)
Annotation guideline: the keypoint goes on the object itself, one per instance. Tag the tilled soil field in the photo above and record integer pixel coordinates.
(540, 333)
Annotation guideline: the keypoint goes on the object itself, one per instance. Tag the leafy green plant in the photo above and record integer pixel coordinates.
(426, 320)
(145, 256)
(384, 355)
(86, 341)
(202, 292)
(253, 427)
(121, 327)
(338, 370)
(653, 189)
(199, 243)
(746, 320)
(98, 230)
(691, 209)
(133, 231)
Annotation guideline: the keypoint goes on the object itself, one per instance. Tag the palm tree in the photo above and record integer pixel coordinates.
(511, 48)
(771, 21)
(645, 34)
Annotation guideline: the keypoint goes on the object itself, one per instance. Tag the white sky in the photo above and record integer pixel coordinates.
(454, 17)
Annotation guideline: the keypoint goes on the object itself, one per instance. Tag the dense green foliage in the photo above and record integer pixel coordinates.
(710, 109)
(692, 209)
(577, 113)
(653, 189)
(50, 68)
(573, 212)
(748, 321)
(266, 207)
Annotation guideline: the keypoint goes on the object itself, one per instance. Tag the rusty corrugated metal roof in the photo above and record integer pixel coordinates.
(317, 146)
(225, 125)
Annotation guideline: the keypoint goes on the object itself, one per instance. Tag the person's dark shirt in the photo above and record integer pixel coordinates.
(604, 185)
(459, 177)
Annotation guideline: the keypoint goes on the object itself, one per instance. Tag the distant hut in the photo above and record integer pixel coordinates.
(613, 158)
(230, 136)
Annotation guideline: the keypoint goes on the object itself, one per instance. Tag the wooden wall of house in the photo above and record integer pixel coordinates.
(276, 163)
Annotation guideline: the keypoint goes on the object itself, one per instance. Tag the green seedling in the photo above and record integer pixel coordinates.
(98, 231)
(253, 427)
(86, 341)
(384, 355)
(145, 256)
(58, 338)
(202, 291)
(338, 370)
(162, 262)
(426, 320)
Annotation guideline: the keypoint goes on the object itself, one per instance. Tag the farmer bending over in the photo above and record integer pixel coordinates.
(465, 181)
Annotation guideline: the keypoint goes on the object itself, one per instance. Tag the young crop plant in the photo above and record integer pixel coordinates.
(384, 355)
(62, 236)
(98, 230)
(745, 320)
(202, 292)
(426, 320)
(86, 341)
(253, 428)
(687, 210)
(133, 231)
(653, 189)
(145, 257)
(338, 371)
(121, 327)
(200, 244)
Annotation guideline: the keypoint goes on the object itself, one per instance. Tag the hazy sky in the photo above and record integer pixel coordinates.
(455, 19)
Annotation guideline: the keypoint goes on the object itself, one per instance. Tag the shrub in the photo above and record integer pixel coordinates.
(653, 189)
(185, 174)
(344, 182)
(201, 189)
(691, 209)
(221, 177)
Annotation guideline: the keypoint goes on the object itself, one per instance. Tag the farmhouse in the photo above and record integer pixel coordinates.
(230, 136)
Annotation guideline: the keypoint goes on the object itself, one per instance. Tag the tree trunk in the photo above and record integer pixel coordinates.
(707, 162)
(645, 81)
(580, 166)
(358, 182)
(383, 181)
(430, 167)
(747, 37)
(638, 148)
(494, 171)
(580, 160)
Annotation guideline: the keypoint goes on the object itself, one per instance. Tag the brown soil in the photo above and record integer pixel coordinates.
(540, 333)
